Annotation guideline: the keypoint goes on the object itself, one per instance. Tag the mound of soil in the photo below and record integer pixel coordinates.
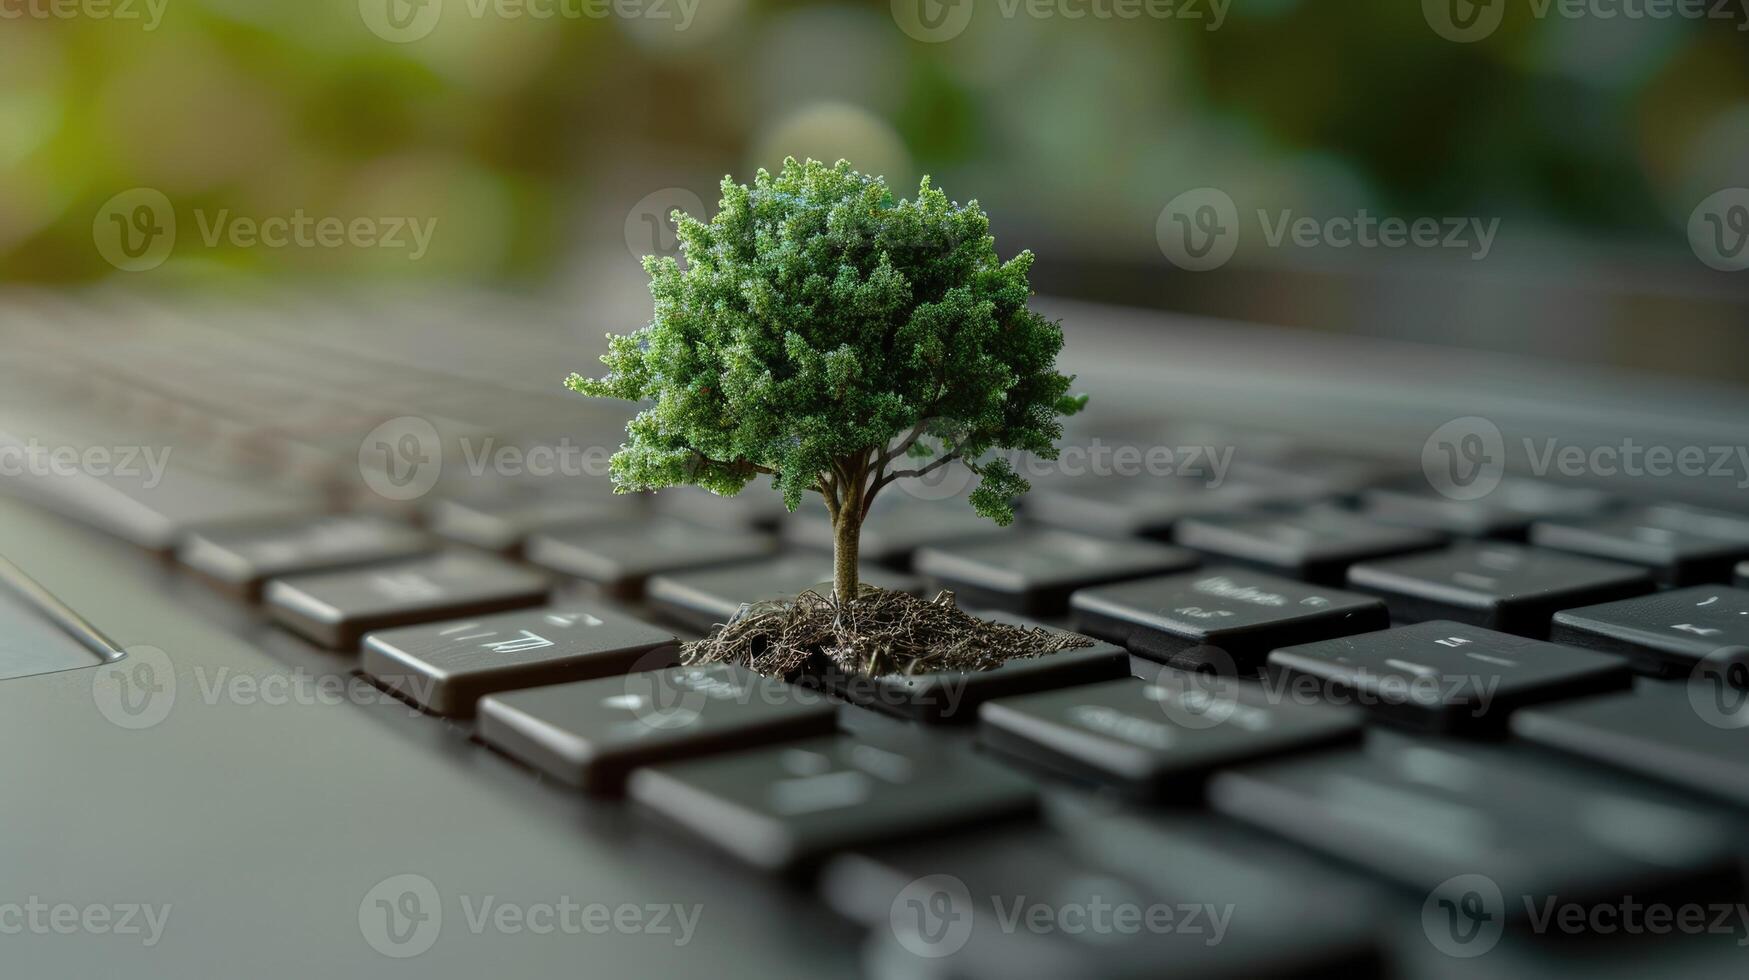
(878, 633)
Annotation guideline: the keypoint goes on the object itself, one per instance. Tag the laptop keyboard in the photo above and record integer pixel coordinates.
(1387, 689)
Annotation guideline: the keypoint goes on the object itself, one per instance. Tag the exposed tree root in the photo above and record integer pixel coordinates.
(881, 632)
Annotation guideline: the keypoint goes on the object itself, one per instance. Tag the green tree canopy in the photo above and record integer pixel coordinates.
(838, 339)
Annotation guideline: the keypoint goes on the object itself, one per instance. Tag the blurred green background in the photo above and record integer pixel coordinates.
(541, 145)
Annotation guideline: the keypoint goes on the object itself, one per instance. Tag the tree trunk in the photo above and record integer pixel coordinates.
(846, 541)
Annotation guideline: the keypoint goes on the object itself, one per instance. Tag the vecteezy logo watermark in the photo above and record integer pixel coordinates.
(1465, 916)
(1199, 230)
(1718, 688)
(1718, 230)
(1468, 21)
(402, 917)
(649, 228)
(136, 691)
(401, 459)
(934, 916)
(406, 21)
(1464, 459)
(136, 230)
(35, 917)
(147, 13)
(935, 21)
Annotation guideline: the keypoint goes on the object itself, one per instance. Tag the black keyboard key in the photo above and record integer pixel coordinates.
(1501, 586)
(1444, 676)
(1434, 816)
(1670, 543)
(1692, 735)
(447, 667)
(503, 521)
(591, 734)
(1705, 522)
(334, 609)
(620, 557)
(1505, 512)
(1179, 901)
(1183, 619)
(1743, 575)
(1159, 737)
(897, 526)
(1148, 506)
(705, 598)
(1315, 545)
(1664, 634)
(782, 807)
(952, 698)
(1034, 572)
(241, 559)
(757, 507)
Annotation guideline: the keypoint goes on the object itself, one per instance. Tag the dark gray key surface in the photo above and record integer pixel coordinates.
(1171, 900)
(1505, 512)
(705, 598)
(1445, 676)
(503, 521)
(1124, 506)
(1500, 586)
(1679, 547)
(447, 667)
(757, 507)
(1034, 572)
(1428, 814)
(1159, 737)
(1243, 613)
(1693, 735)
(620, 557)
(896, 527)
(1316, 545)
(590, 734)
(780, 807)
(1666, 633)
(336, 608)
(953, 698)
(1743, 575)
(241, 559)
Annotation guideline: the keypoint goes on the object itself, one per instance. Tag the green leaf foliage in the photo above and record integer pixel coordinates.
(838, 338)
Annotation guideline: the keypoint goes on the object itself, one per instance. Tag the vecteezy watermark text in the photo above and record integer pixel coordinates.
(1200, 230)
(1469, 21)
(146, 13)
(405, 21)
(935, 21)
(34, 459)
(36, 917)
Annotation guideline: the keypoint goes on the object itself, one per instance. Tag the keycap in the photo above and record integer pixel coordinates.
(1444, 676)
(241, 559)
(1180, 902)
(896, 527)
(1456, 822)
(1500, 586)
(1743, 575)
(757, 507)
(502, 521)
(1162, 736)
(1669, 545)
(1663, 634)
(447, 667)
(1315, 545)
(781, 808)
(1693, 735)
(707, 597)
(334, 609)
(590, 734)
(620, 558)
(1505, 512)
(1182, 619)
(1147, 506)
(952, 698)
(1033, 572)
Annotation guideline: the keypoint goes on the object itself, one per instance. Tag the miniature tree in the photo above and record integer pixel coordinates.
(838, 340)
